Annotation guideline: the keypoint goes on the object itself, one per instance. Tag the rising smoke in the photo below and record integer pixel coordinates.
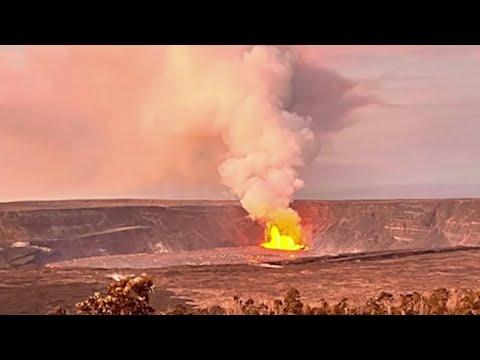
(120, 120)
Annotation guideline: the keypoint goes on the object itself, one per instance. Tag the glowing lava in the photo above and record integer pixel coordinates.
(278, 241)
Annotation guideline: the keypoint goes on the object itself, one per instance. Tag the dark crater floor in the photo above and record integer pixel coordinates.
(356, 277)
(203, 253)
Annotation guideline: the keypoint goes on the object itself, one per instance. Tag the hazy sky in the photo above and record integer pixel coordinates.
(418, 139)
(424, 143)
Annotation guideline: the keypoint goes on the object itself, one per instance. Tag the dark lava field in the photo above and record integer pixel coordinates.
(203, 253)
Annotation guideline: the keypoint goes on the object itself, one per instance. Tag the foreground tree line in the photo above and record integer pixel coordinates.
(131, 296)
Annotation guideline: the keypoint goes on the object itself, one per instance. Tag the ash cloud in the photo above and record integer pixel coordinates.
(116, 119)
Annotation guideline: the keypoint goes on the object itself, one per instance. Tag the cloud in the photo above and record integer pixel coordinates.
(120, 119)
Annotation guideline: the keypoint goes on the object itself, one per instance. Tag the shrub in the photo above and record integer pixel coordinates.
(127, 296)
(131, 296)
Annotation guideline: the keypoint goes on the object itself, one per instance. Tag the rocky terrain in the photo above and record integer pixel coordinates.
(347, 226)
(56, 231)
(203, 253)
(33, 290)
(36, 235)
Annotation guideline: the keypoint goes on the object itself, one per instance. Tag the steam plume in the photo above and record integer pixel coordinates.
(123, 120)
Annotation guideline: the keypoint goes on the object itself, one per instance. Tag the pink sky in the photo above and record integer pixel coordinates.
(84, 122)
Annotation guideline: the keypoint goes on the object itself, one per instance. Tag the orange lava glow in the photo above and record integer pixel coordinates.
(278, 241)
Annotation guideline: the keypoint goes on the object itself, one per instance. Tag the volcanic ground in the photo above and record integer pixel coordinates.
(203, 253)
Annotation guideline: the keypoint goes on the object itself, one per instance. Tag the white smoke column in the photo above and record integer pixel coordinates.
(155, 121)
(242, 94)
(265, 141)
